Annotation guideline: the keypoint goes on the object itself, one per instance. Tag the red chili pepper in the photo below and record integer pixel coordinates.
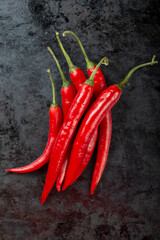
(92, 119)
(55, 122)
(78, 78)
(105, 131)
(103, 149)
(67, 130)
(68, 94)
(106, 124)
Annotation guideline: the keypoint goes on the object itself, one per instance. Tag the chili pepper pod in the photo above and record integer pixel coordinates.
(105, 129)
(107, 99)
(67, 130)
(68, 94)
(55, 122)
(78, 77)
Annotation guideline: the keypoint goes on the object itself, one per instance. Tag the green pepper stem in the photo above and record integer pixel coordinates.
(120, 85)
(65, 82)
(72, 67)
(90, 64)
(90, 80)
(53, 89)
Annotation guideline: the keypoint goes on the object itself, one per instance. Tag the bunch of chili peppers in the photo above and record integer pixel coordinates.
(85, 119)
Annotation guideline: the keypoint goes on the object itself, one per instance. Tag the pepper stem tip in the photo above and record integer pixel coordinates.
(48, 48)
(153, 60)
(48, 71)
(53, 89)
(105, 61)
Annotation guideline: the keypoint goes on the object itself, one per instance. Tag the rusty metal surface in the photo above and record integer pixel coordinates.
(126, 203)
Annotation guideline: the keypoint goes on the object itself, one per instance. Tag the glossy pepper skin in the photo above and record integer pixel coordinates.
(105, 128)
(103, 148)
(77, 77)
(105, 131)
(62, 171)
(68, 94)
(67, 130)
(94, 116)
(55, 122)
(87, 157)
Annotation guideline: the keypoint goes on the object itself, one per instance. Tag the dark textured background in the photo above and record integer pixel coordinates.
(126, 202)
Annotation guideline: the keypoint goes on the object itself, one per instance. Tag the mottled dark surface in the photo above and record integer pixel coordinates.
(126, 203)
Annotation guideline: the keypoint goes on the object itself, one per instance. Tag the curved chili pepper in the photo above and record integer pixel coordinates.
(78, 78)
(104, 140)
(105, 129)
(94, 116)
(67, 130)
(55, 122)
(68, 94)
